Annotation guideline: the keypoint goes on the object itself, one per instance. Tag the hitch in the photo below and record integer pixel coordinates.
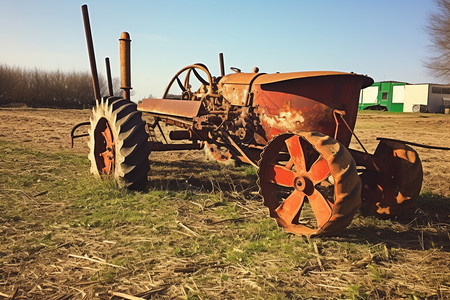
(72, 133)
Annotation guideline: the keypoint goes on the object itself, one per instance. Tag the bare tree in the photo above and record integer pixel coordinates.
(439, 30)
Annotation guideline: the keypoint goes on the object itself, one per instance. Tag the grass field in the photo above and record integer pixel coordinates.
(201, 232)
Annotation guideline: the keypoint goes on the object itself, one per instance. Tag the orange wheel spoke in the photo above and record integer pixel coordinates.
(291, 206)
(279, 175)
(290, 164)
(319, 171)
(321, 207)
(107, 156)
(295, 168)
(107, 161)
(296, 152)
(108, 137)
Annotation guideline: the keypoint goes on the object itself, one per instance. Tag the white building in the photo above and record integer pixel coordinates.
(433, 97)
(399, 96)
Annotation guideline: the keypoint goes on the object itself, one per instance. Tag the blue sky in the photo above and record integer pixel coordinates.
(385, 39)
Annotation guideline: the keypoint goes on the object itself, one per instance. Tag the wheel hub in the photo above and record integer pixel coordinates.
(303, 184)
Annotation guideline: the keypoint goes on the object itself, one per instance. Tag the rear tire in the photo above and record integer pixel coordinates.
(118, 143)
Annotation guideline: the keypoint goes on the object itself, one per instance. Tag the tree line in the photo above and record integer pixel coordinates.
(55, 89)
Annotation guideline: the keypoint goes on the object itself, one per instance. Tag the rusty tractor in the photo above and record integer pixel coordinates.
(295, 128)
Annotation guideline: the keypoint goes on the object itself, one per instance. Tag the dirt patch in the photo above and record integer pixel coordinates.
(43, 129)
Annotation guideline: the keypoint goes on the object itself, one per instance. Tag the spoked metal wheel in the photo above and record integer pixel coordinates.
(104, 147)
(118, 143)
(393, 188)
(313, 168)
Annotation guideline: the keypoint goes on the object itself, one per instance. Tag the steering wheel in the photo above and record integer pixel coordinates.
(186, 93)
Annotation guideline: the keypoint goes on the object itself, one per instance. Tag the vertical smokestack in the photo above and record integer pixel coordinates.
(90, 46)
(125, 64)
(108, 76)
(222, 66)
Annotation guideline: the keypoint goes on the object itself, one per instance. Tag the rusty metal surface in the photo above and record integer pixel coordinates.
(238, 78)
(177, 135)
(277, 77)
(393, 186)
(287, 183)
(104, 150)
(185, 88)
(236, 87)
(178, 108)
(219, 153)
(308, 103)
(175, 147)
(125, 64)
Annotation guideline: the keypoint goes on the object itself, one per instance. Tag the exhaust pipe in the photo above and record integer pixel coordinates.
(222, 65)
(125, 64)
(108, 77)
(90, 46)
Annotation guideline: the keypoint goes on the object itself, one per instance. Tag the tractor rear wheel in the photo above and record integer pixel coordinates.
(314, 167)
(118, 143)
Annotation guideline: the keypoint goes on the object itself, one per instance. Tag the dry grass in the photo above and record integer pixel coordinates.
(201, 232)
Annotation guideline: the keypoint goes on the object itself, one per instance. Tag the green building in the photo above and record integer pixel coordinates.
(384, 95)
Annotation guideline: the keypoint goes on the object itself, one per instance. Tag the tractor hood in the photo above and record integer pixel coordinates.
(263, 78)
(237, 87)
(278, 77)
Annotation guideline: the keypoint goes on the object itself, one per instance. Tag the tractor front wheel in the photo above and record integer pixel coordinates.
(312, 168)
(118, 143)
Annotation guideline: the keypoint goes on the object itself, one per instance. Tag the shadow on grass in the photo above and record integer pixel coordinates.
(202, 176)
(424, 227)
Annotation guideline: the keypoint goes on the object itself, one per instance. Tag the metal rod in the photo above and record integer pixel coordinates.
(72, 133)
(414, 144)
(175, 147)
(239, 149)
(125, 64)
(90, 46)
(222, 65)
(341, 113)
(108, 77)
